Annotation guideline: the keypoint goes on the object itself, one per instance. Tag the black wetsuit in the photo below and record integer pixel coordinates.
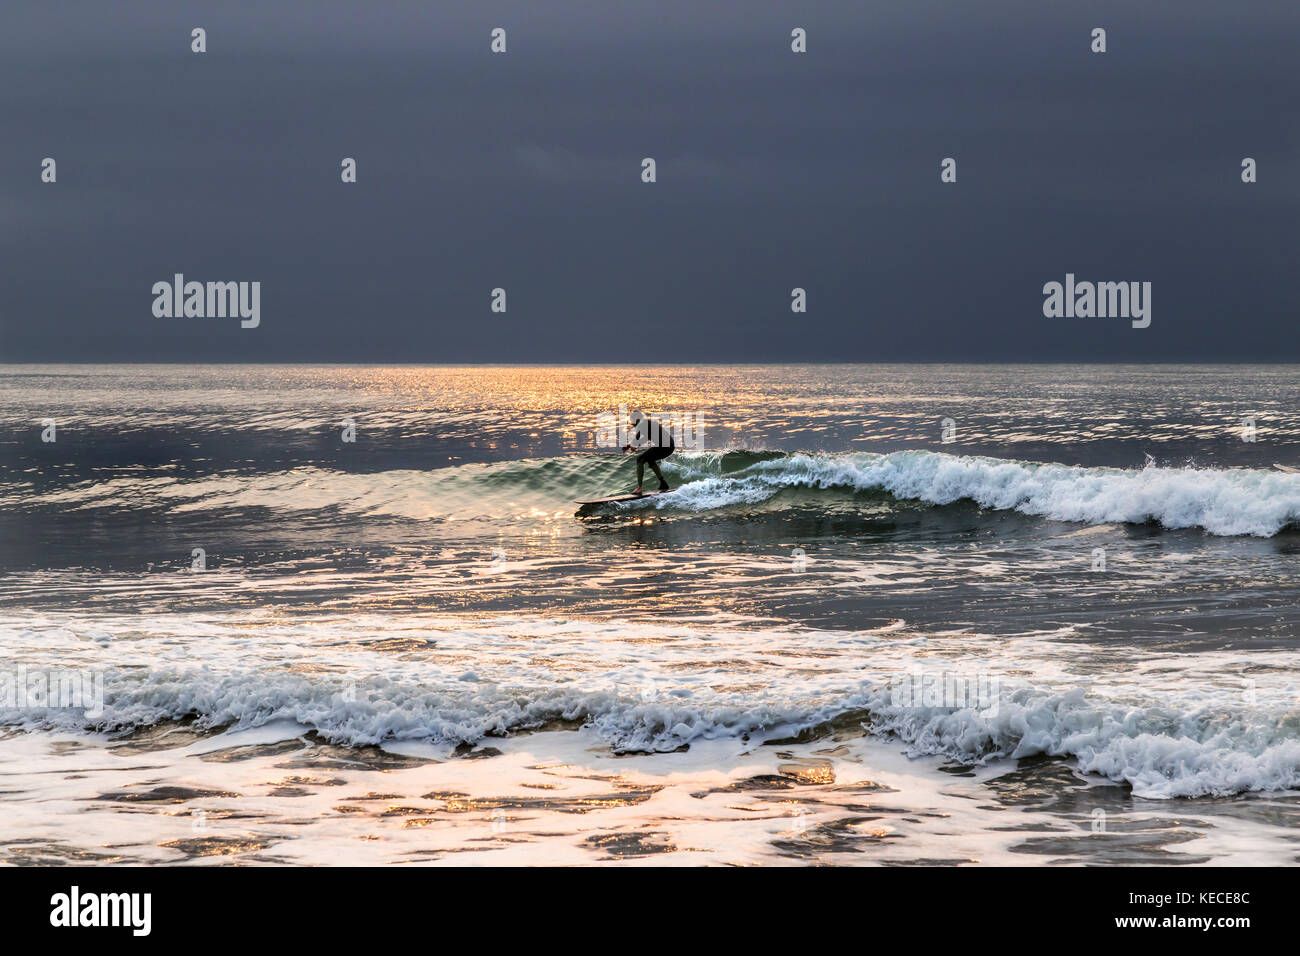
(661, 446)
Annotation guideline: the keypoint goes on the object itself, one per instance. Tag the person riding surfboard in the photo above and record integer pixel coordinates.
(655, 443)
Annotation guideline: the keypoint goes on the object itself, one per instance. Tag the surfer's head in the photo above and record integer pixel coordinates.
(636, 416)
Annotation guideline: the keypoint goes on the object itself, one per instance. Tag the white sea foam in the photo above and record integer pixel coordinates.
(1168, 725)
(1165, 748)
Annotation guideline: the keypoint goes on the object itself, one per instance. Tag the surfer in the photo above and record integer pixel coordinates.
(656, 444)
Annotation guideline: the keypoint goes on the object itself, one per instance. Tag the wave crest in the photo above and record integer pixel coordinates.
(1219, 501)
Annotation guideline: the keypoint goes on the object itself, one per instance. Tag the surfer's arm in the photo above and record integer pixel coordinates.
(635, 442)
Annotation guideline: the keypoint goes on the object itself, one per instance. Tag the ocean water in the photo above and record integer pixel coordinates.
(1066, 635)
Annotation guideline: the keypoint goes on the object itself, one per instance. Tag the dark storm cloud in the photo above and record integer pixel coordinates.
(522, 171)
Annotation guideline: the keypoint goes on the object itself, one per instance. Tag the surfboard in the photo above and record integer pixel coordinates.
(612, 498)
(1288, 469)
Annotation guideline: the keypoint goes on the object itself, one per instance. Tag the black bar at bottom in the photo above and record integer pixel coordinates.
(340, 906)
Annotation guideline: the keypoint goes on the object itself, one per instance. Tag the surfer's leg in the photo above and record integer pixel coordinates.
(655, 458)
(640, 469)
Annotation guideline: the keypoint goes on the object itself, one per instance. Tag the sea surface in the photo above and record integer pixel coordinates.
(891, 614)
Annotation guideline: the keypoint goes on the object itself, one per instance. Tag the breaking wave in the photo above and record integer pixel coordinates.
(646, 688)
(1218, 501)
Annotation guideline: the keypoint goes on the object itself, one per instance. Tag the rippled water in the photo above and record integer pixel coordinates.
(417, 647)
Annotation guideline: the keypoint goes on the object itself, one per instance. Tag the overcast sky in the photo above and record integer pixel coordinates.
(775, 170)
